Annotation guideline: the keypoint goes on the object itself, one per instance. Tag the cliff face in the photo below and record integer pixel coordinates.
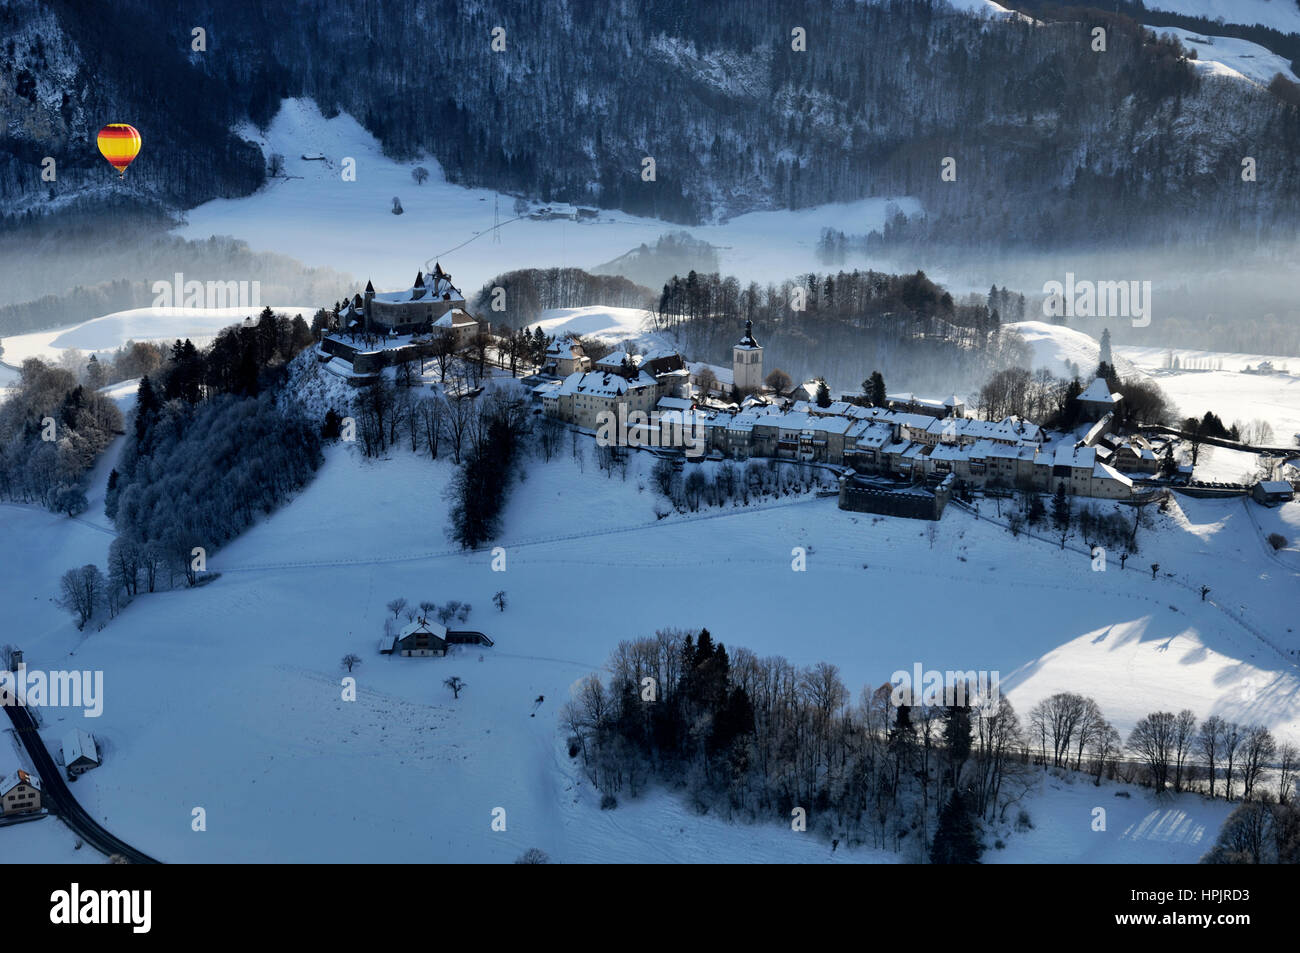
(1052, 140)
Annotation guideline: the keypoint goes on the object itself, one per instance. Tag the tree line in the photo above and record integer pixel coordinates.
(842, 326)
(754, 738)
(527, 292)
(52, 430)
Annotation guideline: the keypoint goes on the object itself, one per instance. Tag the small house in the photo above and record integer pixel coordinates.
(1269, 492)
(422, 639)
(20, 793)
(80, 753)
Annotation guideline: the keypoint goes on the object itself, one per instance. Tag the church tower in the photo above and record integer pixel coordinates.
(747, 362)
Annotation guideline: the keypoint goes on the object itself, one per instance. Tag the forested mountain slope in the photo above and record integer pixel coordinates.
(1052, 140)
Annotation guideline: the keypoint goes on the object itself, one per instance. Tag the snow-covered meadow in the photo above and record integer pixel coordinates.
(228, 697)
(314, 215)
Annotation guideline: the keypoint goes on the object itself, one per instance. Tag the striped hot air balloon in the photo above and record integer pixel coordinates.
(119, 144)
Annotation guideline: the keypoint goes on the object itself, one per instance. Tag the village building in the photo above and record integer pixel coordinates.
(1270, 492)
(582, 398)
(20, 793)
(949, 407)
(565, 356)
(420, 639)
(747, 363)
(80, 753)
(1097, 400)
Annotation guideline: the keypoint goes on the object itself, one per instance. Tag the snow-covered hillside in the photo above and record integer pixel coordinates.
(1056, 345)
(1281, 15)
(1250, 60)
(239, 709)
(111, 331)
(315, 216)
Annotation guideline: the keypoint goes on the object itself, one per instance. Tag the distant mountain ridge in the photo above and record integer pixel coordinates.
(1050, 140)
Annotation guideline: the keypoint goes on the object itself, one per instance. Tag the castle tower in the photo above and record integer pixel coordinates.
(369, 301)
(747, 362)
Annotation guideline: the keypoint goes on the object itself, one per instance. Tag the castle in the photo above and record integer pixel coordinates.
(431, 302)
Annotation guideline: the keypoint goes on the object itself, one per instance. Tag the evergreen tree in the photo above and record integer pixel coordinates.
(95, 376)
(823, 394)
(1060, 509)
(876, 389)
(147, 405)
(956, 840)
(1105, 357)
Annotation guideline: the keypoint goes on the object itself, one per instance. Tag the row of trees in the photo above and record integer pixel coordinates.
(759, 737)
(845, 325)
(691, 489)
(526, 292)
(478, 491)
(1053, 401)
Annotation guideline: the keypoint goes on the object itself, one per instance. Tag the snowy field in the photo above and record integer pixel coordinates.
(315, 216)
(1246, 59)
(1229, 393)
(227, 697)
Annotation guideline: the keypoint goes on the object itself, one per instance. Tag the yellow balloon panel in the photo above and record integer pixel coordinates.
(119, 143)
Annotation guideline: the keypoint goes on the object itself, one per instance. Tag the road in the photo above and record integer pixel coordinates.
(56, 796)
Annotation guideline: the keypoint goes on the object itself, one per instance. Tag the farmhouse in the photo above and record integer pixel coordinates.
(1269, 492)
(80, 753)
(426, 639)
(20, 793)
(422, 639)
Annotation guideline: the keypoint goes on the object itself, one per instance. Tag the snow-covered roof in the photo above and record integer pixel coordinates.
(1275, 486)
(871, 434)
(1069, 455)
(657, 354)
(723, 375)
(1098, 392)
(805, 421)
(9, 782)
(674, 403)
(1103, 472)
(428, 625)
(454, 318)
(78, 744)
(910, 398)
(430, 286)
(604, 383)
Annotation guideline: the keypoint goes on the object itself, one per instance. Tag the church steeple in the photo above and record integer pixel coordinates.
(748, 339)
(747, 362)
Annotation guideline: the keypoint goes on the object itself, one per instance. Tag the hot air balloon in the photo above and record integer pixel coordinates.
(119, 144)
